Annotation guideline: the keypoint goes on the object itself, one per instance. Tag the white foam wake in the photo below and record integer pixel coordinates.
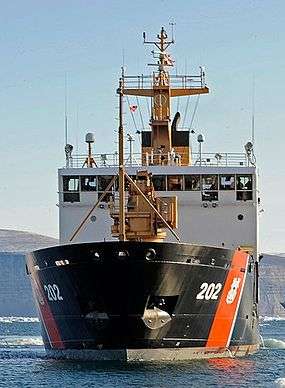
(280, 382)
(270, 319)
(18, 319)
(14, 340)
(273, 343)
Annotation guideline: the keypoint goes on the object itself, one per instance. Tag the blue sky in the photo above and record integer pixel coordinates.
(40, 42)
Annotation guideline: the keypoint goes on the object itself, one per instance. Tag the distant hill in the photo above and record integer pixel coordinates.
(15, 288)
(17, 241)
(272, 285)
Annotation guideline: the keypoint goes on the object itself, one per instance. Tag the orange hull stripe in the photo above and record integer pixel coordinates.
(225, 317)
(47, 317)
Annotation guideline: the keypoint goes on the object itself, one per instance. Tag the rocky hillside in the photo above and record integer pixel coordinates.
(17, 241)
(272, 285)
(15, 289)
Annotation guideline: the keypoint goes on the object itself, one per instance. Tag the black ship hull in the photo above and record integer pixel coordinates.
(145, 301)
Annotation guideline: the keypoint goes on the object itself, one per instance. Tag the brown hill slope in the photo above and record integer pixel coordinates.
(18, 241)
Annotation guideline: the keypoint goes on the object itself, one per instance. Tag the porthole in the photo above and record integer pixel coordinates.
(96, 256)
(240, 217)
(123, 254)
(93, 218)
(150, 254)
(192, 260)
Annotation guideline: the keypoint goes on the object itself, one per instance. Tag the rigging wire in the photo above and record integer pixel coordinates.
(194, 112)
(178, 104)
(134, 120)
(132, 114)
(147, 105)
(178, 99)
(188, 99)
(186, 111)
(140, 112)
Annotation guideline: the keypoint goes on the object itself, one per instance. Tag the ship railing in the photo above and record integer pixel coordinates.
(176, 81)
(227, 159)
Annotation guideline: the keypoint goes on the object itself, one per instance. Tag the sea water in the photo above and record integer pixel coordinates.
(23, 363)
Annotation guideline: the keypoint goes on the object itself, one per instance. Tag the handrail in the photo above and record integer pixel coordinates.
(227, 159)
(179, 81)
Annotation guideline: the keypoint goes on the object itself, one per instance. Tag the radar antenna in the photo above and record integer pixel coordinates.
(162, 45)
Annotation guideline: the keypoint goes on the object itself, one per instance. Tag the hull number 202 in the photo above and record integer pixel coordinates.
(209, 291)
(52, 292)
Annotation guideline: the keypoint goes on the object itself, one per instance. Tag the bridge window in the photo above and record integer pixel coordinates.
(175, 182)
(70, 183)
(244, 187)
(209, 187)
(159, 182)
(102, 184)
(244, 182)
(88, 183)
(103, 181)
(227, 182)
(71, 189)
(209, 182)
(192, 182)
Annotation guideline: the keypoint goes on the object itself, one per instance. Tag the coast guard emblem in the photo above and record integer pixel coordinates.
(233, 290)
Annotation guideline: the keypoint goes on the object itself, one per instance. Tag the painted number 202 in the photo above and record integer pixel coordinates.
(53, 292)
(209, 291)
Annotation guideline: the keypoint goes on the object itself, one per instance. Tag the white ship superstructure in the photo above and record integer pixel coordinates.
(217, 198)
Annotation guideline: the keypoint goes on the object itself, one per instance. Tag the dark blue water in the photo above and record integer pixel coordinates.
(23, 364)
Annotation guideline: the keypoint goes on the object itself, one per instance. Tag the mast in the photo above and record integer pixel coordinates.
(146, 216)
(163, 139)
(122, 227)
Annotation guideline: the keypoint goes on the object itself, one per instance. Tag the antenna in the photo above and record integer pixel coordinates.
(162, 44)
(77, 128)
(172, 24)
(123, 58)
(130, 139)
(253, 111)
(65, 109)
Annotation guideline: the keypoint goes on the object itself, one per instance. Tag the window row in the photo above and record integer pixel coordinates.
(88, 183)
(196, 182)
(202, 182)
